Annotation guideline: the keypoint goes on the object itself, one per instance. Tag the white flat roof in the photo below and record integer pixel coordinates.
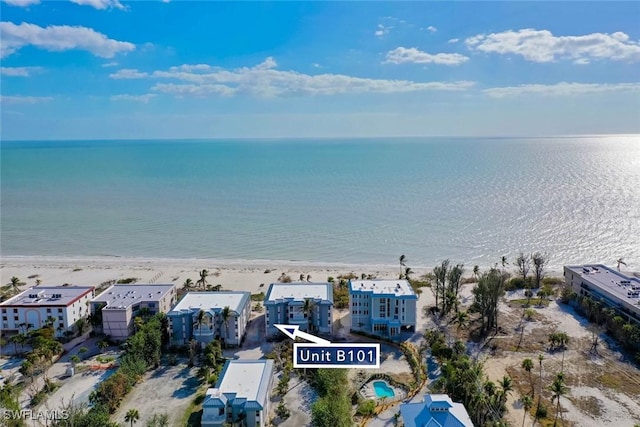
(608, 279)
(213, 300)
(247, 378)
(123, 296)
(386, 287)
(300, 291)
(48, 296)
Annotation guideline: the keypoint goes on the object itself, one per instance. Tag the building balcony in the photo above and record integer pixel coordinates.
(211, 418)
(203, 332)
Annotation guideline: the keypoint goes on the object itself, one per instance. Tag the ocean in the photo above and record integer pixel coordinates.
(354, 201)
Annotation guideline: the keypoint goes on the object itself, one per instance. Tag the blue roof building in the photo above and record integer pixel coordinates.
(437, 410)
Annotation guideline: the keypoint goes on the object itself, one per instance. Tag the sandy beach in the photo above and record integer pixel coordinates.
(231, 274)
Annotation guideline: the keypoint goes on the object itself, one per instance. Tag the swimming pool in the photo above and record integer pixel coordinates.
(382, 389)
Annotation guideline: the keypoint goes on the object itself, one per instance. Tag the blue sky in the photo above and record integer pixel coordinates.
(103, 69)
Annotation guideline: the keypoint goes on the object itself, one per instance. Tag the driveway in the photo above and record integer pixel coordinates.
(255, 345)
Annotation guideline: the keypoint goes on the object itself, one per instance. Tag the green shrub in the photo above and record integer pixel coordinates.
(368, 407)
(127, 281)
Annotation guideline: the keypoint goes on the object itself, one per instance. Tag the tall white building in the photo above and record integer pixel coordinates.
(604, 284)
(185, 322)
(382, 307)
(118, 306)
(33, 308)
(284, 304)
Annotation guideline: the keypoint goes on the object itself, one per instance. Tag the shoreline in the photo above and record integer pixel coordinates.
(232, 274)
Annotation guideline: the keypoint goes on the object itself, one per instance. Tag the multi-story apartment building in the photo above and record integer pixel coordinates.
(242, 395)
(201, 316)
(285, 304)
(62, 306)
(118, 306)
(615, 289)
(382, 307)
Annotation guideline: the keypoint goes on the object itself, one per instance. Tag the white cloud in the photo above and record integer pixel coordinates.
(110, 64)
(542, 46)
(101, 4)
(266, 81)
(402, 55)
(561, 89)
(382, 31)
(18, 71)
(23, 99)
(453, 40)
(128, 74)
(21, 3)
(58, 38)
(137, 98)
(431, 29)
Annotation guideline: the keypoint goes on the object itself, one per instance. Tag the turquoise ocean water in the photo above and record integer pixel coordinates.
(348, 201)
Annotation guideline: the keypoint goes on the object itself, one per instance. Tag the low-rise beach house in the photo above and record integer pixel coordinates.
(115, 309)
(382, 307)
(242, 395)
(306, 304)
(206, 316)
(33, 308)
(436, 410)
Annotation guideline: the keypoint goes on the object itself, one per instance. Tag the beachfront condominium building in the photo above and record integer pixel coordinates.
(60, 306)
(435, 410)
(308, 305)
(207, 316)
(382, 307)
(604, 284)
(241, 395)
(115, 309)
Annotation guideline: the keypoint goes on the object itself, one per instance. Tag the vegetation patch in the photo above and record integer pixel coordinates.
(127, 281)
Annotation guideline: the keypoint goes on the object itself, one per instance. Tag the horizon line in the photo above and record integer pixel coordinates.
(272, 138)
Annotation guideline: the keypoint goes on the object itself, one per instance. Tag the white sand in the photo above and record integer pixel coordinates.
(232, 275)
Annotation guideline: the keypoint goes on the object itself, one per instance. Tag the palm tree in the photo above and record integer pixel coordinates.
(506, 386)
(132, 416)
(102, 345)
(403, 260)
(308, 277)
(188, 284)
(527, 404)
(307, 309)
(200, 319)
(527, 365)
(619, 261)
(558, 389)
(74, 360)
(15, 284)
(476, 271)
(461, 319)
(226, 315)
(540, 359)
(202, 283)
(407, 272)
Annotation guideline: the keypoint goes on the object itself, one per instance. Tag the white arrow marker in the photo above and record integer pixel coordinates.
(293, 332)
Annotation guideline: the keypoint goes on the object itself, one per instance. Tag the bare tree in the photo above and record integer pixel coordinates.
(524, 265)
(539, 262)
(486, 295)
(440, 273)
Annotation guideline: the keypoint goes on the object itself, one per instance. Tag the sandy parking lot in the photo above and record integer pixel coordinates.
(168, 389)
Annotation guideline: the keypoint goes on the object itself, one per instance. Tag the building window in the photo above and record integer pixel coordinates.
(59, 310)
(4, 318)
(60, 318)
(15, 318)
(48, 310)
(15, 310)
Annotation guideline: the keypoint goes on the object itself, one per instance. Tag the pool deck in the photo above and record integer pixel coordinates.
(369, 392)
